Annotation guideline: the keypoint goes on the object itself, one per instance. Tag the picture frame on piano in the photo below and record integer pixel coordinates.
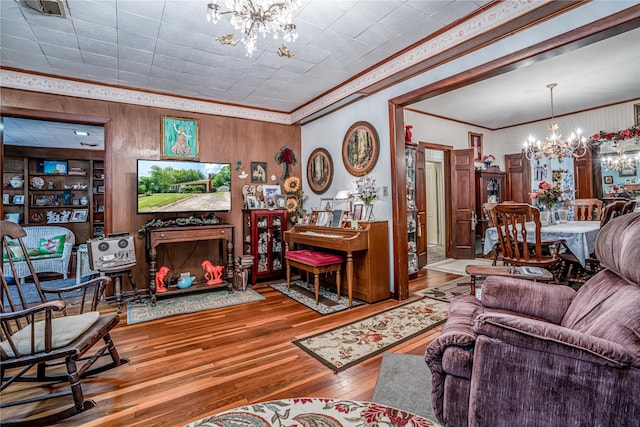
(324, 218)
(357, 211)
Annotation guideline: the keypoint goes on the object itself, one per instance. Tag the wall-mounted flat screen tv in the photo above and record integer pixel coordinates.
(172, 186)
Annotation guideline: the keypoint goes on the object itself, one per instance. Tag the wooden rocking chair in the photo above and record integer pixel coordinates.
(37, 338)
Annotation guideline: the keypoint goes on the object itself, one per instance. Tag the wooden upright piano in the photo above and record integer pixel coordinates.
(366, 250)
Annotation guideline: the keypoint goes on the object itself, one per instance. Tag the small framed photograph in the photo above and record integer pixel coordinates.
(357, 211)
(252, 202)
(259, 172)
(326, 204)
(100, 189)
(18, 199)
(180, 140)
(270, 202)
(270, 190)
(306, 219)
(608, 179)
(79, 215)
(55, 167)
(475, 142)
(281, 201)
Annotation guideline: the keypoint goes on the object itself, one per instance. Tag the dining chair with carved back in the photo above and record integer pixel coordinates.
(629, 206)
(49, 341)
(571, 270)
(513, 237)
(586, 209)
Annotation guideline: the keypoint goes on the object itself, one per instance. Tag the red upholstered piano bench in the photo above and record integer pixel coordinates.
(314, 262)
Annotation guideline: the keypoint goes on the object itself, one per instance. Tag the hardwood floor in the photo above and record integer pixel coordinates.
(185, 367)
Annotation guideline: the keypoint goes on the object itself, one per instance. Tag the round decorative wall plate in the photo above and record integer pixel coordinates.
(360, 148)
(37, 182)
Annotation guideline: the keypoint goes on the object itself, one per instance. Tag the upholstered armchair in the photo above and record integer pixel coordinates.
(537, 354)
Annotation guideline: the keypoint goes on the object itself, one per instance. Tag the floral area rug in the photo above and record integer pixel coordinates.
(447, 291)
(189, 303)
(456, 266)
(347, 345)
(30, 291)
(304, 293)
(313, 411)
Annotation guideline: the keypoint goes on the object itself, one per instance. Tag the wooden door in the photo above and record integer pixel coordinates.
(518, 177)
(432, 212)
(421, 206)
(587, 172)
(462, 239)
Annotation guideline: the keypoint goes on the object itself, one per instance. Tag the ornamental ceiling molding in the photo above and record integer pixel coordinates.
(493, 17)
(59, 86)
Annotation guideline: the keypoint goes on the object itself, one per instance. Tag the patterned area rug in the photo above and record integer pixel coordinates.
(456, 266)
(314, 411)
(304, 293)
(447, 291)
(347, 345)
(189, 303)
(31, 293)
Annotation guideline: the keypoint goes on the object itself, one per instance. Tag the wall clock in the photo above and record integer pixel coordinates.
(360, 148)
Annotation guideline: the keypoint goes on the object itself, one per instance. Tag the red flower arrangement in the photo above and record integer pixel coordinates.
(632, 132)
(288, 157)
(547, 195)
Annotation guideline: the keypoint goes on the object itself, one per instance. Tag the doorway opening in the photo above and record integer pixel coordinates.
(435, 206)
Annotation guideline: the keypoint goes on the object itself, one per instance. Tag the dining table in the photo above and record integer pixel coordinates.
(578, 236)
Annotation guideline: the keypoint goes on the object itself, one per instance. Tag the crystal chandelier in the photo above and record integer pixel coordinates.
(620, 142)
(554, 146)
(621, 162)
(257, 16)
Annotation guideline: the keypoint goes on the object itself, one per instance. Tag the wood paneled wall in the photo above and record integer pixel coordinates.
(133, 132)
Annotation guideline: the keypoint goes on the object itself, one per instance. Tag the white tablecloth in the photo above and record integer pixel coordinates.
(579, 236)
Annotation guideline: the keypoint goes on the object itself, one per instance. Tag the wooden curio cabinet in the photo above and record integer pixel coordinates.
(263, 239)
(490, 188)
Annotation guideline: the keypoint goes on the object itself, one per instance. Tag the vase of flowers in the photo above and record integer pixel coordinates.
(546, 196)
(488, 159)
(367, 191)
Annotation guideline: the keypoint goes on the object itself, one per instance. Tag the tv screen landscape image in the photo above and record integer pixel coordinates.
(171, 186)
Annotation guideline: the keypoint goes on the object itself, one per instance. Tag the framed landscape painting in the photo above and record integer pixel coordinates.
(180, 139)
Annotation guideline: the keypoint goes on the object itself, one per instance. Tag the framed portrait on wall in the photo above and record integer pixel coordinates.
(475, 142)
(608, 179)
(180, 139)
(319, 170)
(360, 148)
(258, 172)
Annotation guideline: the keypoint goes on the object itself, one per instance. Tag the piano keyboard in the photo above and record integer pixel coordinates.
(314, 233)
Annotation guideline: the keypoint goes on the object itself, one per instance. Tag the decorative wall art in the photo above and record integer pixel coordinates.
(79, 215)
(259, 172)
(55, 167)
(360, 148)
(475, 142)
(180, 139)
(319, 170)
(271, 190)
(608, 179)
(636, 114)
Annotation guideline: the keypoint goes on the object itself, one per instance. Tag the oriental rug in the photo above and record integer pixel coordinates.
(456, 266)
(314, 411)
(448, 291)
(305, 294)
(342, 347)
(189, 303)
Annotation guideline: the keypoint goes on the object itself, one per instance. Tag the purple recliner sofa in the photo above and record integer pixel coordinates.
(537, 354)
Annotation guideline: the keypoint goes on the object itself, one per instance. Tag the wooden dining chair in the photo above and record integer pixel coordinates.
(513, 237)
(488, 217)
(586, 209)
(611, 211)
(44, 342)
(629, 206)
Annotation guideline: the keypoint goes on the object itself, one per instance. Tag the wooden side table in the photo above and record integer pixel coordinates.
(515, 272)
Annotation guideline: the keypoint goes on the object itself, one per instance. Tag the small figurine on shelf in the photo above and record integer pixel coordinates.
(161, 274)
(408, 135)
(213, 273)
